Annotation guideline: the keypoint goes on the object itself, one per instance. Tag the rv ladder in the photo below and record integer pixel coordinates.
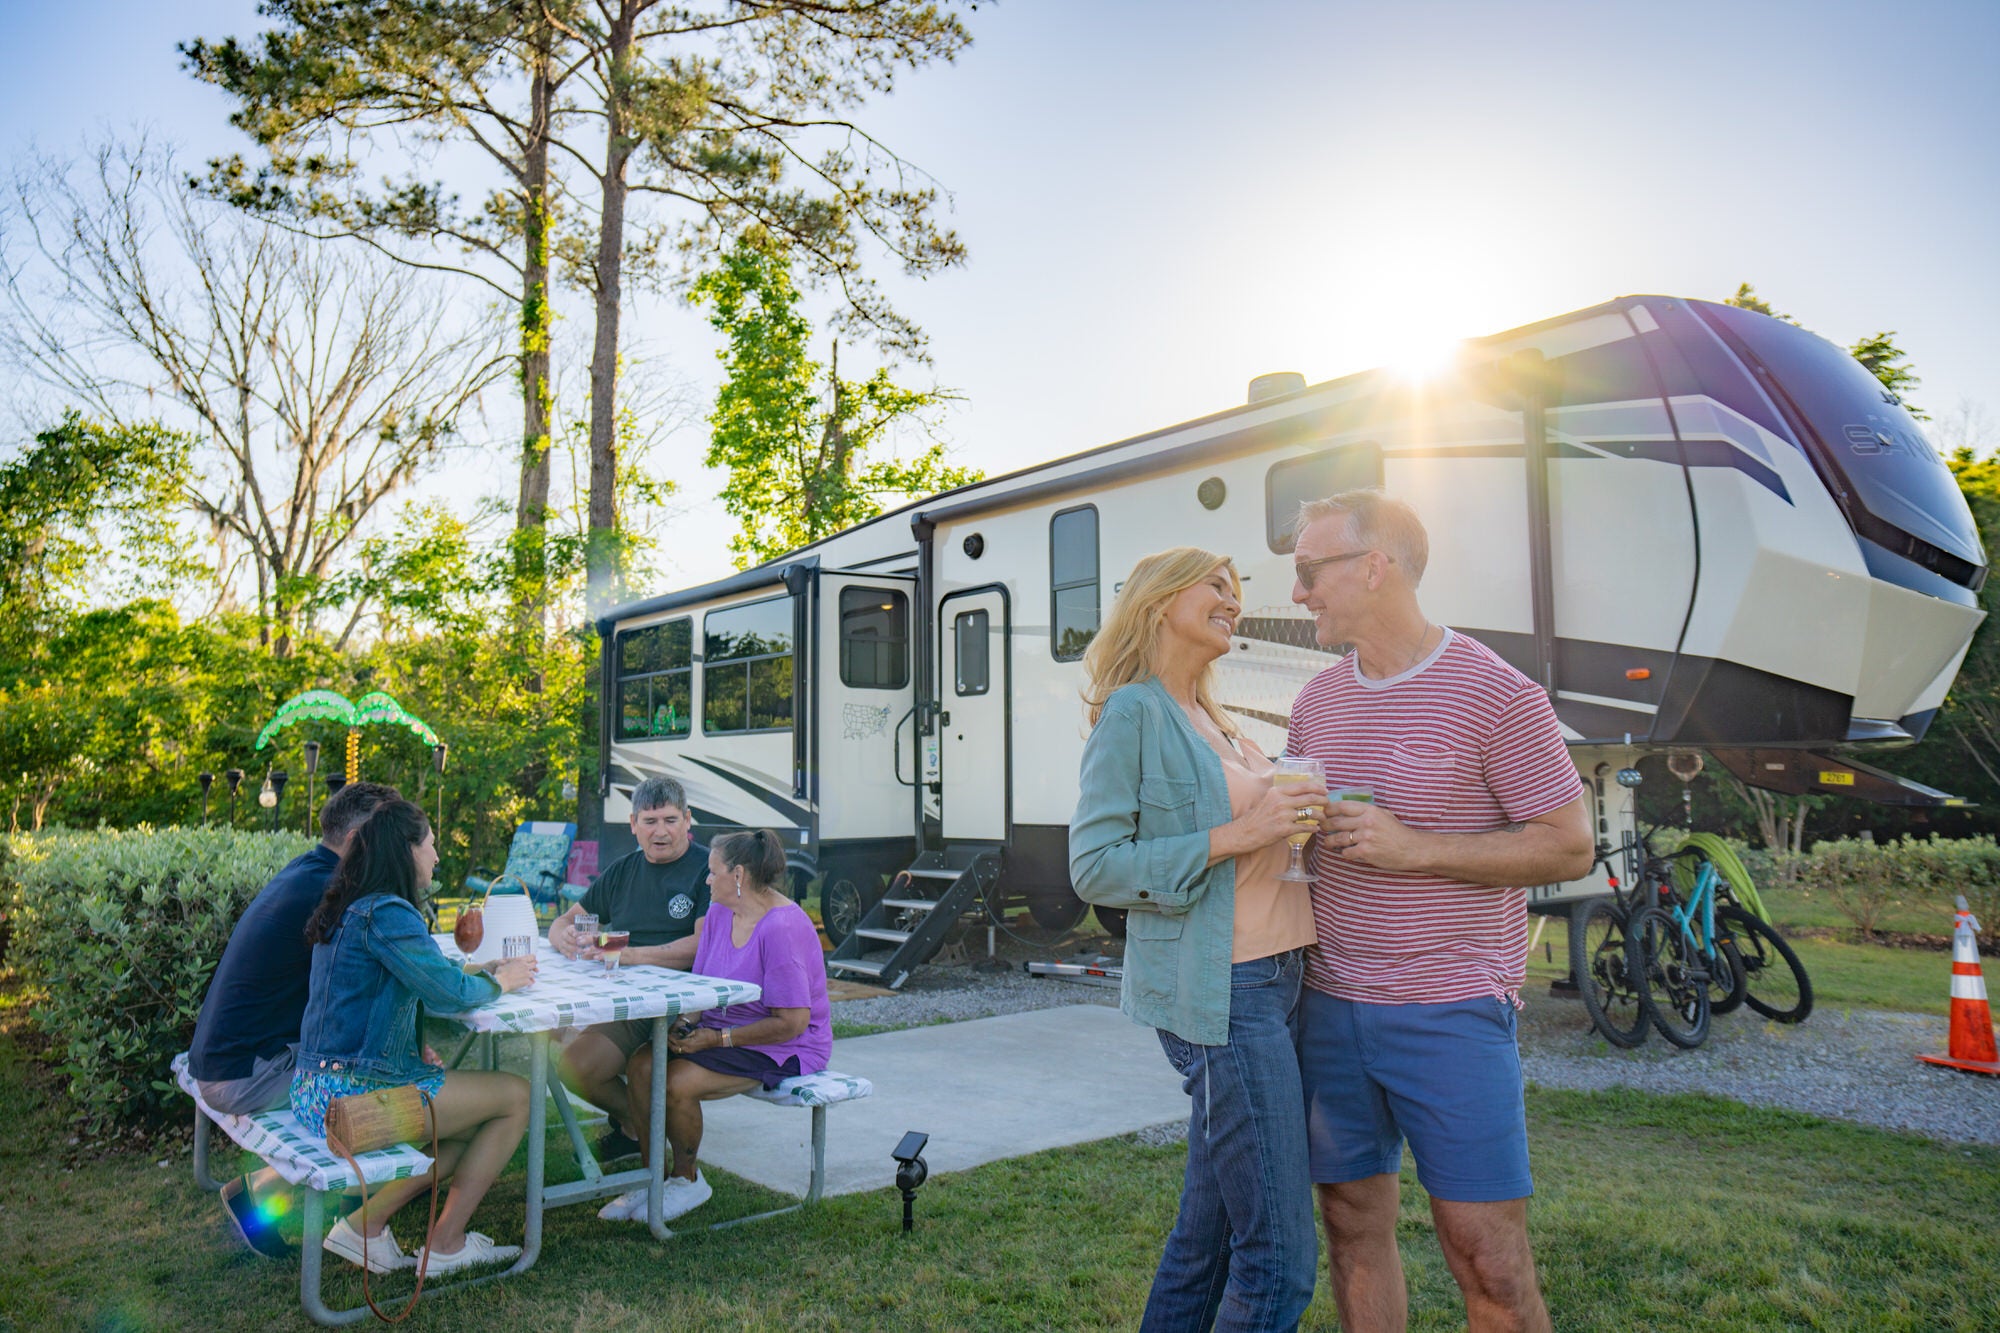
(904, 930)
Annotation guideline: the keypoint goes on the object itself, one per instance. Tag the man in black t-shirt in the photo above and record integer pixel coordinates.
(658, 893)
(241, 1056)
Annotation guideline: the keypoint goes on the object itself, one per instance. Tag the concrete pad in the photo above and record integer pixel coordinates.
(983, 1090)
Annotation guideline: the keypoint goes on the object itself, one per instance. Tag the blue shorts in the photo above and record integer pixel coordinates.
(1445, 1076)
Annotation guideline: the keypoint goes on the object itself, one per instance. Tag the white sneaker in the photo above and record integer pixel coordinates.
(681, 1196)
(478, 1249)
(627, 1206)
(384, 1255)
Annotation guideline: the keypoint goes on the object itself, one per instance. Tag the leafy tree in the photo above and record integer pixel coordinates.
(333, 73)
(715, 114)
(1891, 365)
(715, 118)
(794, 435)
(82, 497)
(316, 387)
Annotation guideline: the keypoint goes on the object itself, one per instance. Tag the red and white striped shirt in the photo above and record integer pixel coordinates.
(1459, 743)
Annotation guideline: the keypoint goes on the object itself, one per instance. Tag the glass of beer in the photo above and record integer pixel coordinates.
(1297, 772)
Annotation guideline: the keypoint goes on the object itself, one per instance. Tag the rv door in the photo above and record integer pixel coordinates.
(974, 698)
(865, 758)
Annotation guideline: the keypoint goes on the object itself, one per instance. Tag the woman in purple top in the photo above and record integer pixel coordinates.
(753, 932)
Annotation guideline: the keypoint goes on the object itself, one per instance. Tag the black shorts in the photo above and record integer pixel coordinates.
(746, 1062)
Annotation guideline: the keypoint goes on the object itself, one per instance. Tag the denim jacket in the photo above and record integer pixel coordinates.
(1150, 790)
(361, 1014)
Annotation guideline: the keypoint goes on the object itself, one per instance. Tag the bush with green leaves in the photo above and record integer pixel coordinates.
(1863, 878)
(117, 932)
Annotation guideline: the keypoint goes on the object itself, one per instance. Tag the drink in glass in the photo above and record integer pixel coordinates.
(517, 946)
(1297, 772)
(1351, 791)
(611, 943)
(469, 931)
(583, 929)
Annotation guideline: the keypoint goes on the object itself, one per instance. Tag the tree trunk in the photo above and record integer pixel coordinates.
(601, 550)
(531, 573)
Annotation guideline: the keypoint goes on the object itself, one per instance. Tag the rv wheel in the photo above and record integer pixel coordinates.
(1113, 921)
(841, 903)
(1056, 909)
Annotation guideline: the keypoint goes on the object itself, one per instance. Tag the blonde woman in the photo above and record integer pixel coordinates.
(1178, 822)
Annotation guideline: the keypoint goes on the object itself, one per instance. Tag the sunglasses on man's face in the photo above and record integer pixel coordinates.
(1308, 570)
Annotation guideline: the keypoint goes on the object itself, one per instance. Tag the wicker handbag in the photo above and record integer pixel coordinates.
(366, 1121)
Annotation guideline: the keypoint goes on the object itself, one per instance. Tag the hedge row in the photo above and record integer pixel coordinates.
(1862, 879)
(118, 932)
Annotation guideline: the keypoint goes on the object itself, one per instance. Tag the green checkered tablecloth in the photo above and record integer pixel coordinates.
(575, 994)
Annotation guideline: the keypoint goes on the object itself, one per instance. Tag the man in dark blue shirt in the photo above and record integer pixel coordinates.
(249, 1026)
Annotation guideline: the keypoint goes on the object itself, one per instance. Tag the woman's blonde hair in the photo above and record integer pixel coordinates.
(1123, 650)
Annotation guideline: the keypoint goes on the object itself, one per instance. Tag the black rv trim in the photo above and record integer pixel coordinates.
(763, 576)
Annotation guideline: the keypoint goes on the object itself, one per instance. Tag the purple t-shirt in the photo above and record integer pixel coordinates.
(784, 958)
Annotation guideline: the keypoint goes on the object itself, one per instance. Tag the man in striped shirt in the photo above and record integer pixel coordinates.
(1407, 1030)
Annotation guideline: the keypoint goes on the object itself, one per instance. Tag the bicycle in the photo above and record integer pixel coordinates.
(1774, 980)
(1685, 968)
(1597, 959)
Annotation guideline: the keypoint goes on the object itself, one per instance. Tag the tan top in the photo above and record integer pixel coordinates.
(1271, 915)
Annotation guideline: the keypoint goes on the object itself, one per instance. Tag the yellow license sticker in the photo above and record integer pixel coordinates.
(1830, 779)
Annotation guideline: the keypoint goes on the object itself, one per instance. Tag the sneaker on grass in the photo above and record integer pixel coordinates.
(615, 1145)
(682, 1196)
(627, 1206)
(478, 1249)
(384, 1255)
(257, 1231)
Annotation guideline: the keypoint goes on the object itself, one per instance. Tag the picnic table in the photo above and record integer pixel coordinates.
(573, 994)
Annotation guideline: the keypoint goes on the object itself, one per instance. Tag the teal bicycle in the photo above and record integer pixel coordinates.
(1681, 957)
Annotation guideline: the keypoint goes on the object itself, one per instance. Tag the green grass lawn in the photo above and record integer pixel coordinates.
(1653, 1213)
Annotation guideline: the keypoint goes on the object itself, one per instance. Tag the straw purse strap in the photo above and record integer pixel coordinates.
(375, 1119)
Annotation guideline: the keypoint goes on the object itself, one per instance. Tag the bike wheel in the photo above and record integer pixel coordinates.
(1597, 964)
(1671, 977)
(1775, 981)
(1727, 981)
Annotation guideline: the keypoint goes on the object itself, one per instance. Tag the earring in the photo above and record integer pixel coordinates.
(739, 886)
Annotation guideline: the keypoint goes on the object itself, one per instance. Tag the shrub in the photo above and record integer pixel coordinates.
(119, 931)
(1862, 878)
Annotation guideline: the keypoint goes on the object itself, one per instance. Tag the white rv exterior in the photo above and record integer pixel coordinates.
(1695, 526)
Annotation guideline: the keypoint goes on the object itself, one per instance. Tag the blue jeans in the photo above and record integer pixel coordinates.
(1243, 1253)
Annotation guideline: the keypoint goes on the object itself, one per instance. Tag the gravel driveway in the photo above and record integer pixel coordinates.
(1857, 1065)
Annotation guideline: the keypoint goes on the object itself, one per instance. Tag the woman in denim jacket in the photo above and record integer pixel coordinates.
(1178, 823)
(373, 961)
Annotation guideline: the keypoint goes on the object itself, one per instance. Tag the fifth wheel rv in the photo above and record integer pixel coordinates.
(1696, 527)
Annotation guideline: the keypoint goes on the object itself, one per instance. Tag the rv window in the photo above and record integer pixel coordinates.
(874, 638)
(970, 646)
(1072, 582)
(1296, 480)
(746, 669)
(654, 689)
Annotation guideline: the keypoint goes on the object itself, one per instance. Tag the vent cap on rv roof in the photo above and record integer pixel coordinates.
(1276, 385)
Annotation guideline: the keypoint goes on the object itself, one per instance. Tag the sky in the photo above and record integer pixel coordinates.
(1164, 199)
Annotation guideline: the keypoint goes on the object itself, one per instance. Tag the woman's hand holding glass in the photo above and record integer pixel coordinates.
(515, 973)
(1292, 776)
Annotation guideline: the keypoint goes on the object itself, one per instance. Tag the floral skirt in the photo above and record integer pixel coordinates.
(315, 1090)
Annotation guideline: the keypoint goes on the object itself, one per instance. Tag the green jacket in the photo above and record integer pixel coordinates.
(1150, 789)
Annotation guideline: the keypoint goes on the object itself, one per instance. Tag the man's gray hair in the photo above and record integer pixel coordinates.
(1375, 522)
(656, 792)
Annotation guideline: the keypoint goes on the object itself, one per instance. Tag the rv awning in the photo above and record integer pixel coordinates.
(1803, 773)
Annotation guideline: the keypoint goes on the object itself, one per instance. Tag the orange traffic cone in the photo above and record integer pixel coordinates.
(1971, 1017)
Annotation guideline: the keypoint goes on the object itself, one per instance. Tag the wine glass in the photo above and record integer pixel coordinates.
(1294, 771)
(469, 931)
